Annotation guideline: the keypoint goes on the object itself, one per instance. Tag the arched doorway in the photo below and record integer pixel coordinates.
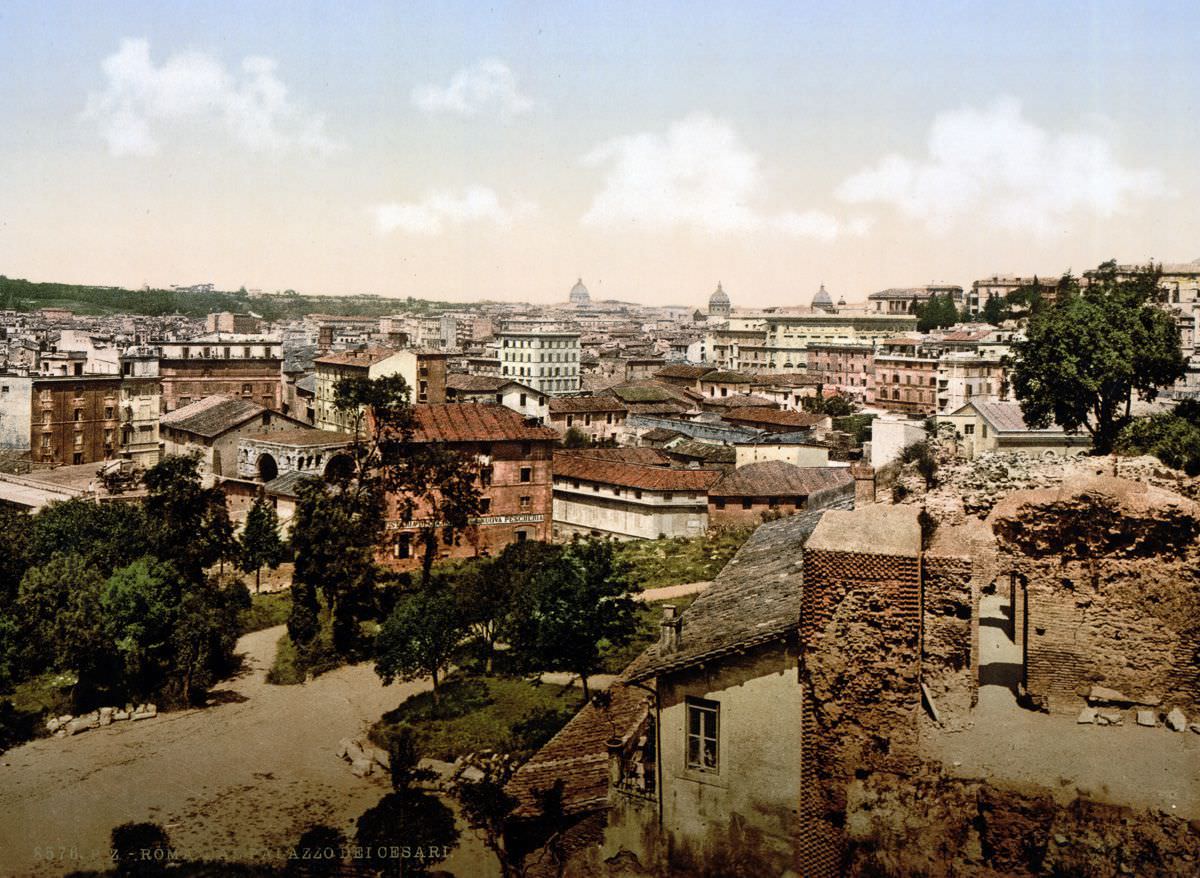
(339, 468)
(268, 469)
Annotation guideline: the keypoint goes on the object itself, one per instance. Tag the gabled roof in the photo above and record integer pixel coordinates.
(776, 418)
(738, 401)
(585, 404)
(632, 475)
(475, 422)
(660, 434)
(705, 451)
(682, 370)
(364, 358)
(753, 600)
(646, 456)
(726, 378)
(482, 383)
(777, 478)
(1006, 417)
(212, 416)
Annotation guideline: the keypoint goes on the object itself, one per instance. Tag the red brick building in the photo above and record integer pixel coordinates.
(775, 487)
(848, 369)
(219, 364)
(906, 377)
(512, 455)
(75, 419)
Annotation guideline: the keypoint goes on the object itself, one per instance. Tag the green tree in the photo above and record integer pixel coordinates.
(575, 438)
(260, 544)
(335, 531)
(105, 535)
(936, 313)
(59, 607)
(573, 608)
(421, 634)
(189, 523)
(1172, 439)
(1086, 357)
(995, 310)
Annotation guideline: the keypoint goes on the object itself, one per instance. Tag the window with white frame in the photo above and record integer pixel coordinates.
(703, 718)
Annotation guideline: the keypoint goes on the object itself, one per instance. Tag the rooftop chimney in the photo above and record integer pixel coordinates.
(671, 625)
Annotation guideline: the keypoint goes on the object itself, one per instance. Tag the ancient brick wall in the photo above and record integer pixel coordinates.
(860, 630)
(950, 637)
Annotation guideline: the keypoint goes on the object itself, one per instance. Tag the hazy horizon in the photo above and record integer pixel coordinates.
(445, 152)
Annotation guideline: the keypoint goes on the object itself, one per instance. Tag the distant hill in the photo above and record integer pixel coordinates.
(23, 295)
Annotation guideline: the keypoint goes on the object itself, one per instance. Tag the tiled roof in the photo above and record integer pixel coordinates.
(775, 417)
(632, 475)
(212, 415)
(704, 451)
(474, 422)
(786, 379)
(482, 383)
(681, 370)
(647, 456)
(641, 393)
(726, 378)
(288, 484)
(738, 400)
(583, 404)
(660, 434)
(777, 478)
(578, 754)
(1006, 417)
(364, 358)
(308, 384)
(754, 599)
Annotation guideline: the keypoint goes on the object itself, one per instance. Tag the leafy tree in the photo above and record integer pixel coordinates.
(1086, 357)
(59, 607)
(995, 310)
(936, 313)
(15, 552)
(420, 635)
(334, 535)
(573, 607)
(190, 523)
(575, 438)
(487, 808)
(260, 543)
(1172, 439)
(407, 818)
(105, 535)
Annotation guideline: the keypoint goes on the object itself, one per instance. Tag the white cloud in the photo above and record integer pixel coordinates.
(140, 101)
(490, 83)
(698, 175)
(442, 208)
(995, 167)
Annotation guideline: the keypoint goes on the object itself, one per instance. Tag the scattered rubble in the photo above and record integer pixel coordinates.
(1177, 720)
(67, 724)
(1147, 718)
(363, 757)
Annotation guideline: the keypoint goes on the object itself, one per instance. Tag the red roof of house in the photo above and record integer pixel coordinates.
(366, 357)
(583, 404)
(777, 478)
(632, 475)
(475, 422)
(775, 417)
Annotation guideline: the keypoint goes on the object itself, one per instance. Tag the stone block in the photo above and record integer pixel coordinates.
(1146, 718)
(53, 725)
(379, 757)
(1087, 715)
(106, 716)
(1111, 717)
(77, 725)
(1176, 720)
(343, 748)
(120, 715)
(362, 767)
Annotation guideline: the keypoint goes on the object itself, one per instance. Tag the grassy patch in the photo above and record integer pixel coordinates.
(482, 713)
(858, 426)
(285, 670)
(266, 611)
(615, 659)
(22, 710)
(658, 563)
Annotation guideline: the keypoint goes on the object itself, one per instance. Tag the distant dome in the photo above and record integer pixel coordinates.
(718, 302)
(822, 300)
(579, 294)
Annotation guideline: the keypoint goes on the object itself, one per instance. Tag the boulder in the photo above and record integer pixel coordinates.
(65, 718)
(379, 757)
(77, 725)
(120, 715)
(1104, 695)
(343, 748)
(1111, 717)
(1176, 720)
(1102, 720)
(1146, 718)
(1087, 715)
(53, 725)
(106, 716)
(471, 774)
(362, 767)
(354, 752)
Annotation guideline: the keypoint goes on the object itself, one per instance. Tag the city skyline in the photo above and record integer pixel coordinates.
(447, 153)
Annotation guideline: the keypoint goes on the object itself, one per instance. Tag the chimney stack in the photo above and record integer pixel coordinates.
(671, 626)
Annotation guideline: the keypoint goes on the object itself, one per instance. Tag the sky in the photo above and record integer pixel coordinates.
(463, 151)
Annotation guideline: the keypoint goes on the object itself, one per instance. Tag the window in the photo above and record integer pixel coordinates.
(522, 400)
(448, 536)
(46, 441)
(747, 502)
(526, 501)
(526, 474)
(247, 389)
(522, 536)
(78, 415)
(404, 546)
(485, 476)
(969, 429)
(485, 505)
(108, 413)
(702, 730)
(77, 457)
(668, 496)
(637, 494)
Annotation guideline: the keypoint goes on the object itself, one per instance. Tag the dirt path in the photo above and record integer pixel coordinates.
(240, 780)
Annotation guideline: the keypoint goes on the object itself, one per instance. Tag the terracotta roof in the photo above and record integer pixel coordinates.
(660, 434)
(726, 378)
(738, 400)
(1006, 417)
(632, 475)
(578, 754)
(364, 358)
(682, 370)
(704, 451)
(647, 456)
(775, 417)
(212, 415)
(482, 383)
(776, 478)
(584, 404)
(754, 599)
(475, 422)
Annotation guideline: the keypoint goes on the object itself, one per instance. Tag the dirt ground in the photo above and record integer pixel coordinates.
(240, 780)
(1152, 768)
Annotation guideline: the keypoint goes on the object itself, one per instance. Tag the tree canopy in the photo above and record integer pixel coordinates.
(1093, 351)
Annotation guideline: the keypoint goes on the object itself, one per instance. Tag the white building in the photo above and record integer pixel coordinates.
(545, 359)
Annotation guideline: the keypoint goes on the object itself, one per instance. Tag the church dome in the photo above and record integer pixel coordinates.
(579, 294)
(719, 297)
(822, 300)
